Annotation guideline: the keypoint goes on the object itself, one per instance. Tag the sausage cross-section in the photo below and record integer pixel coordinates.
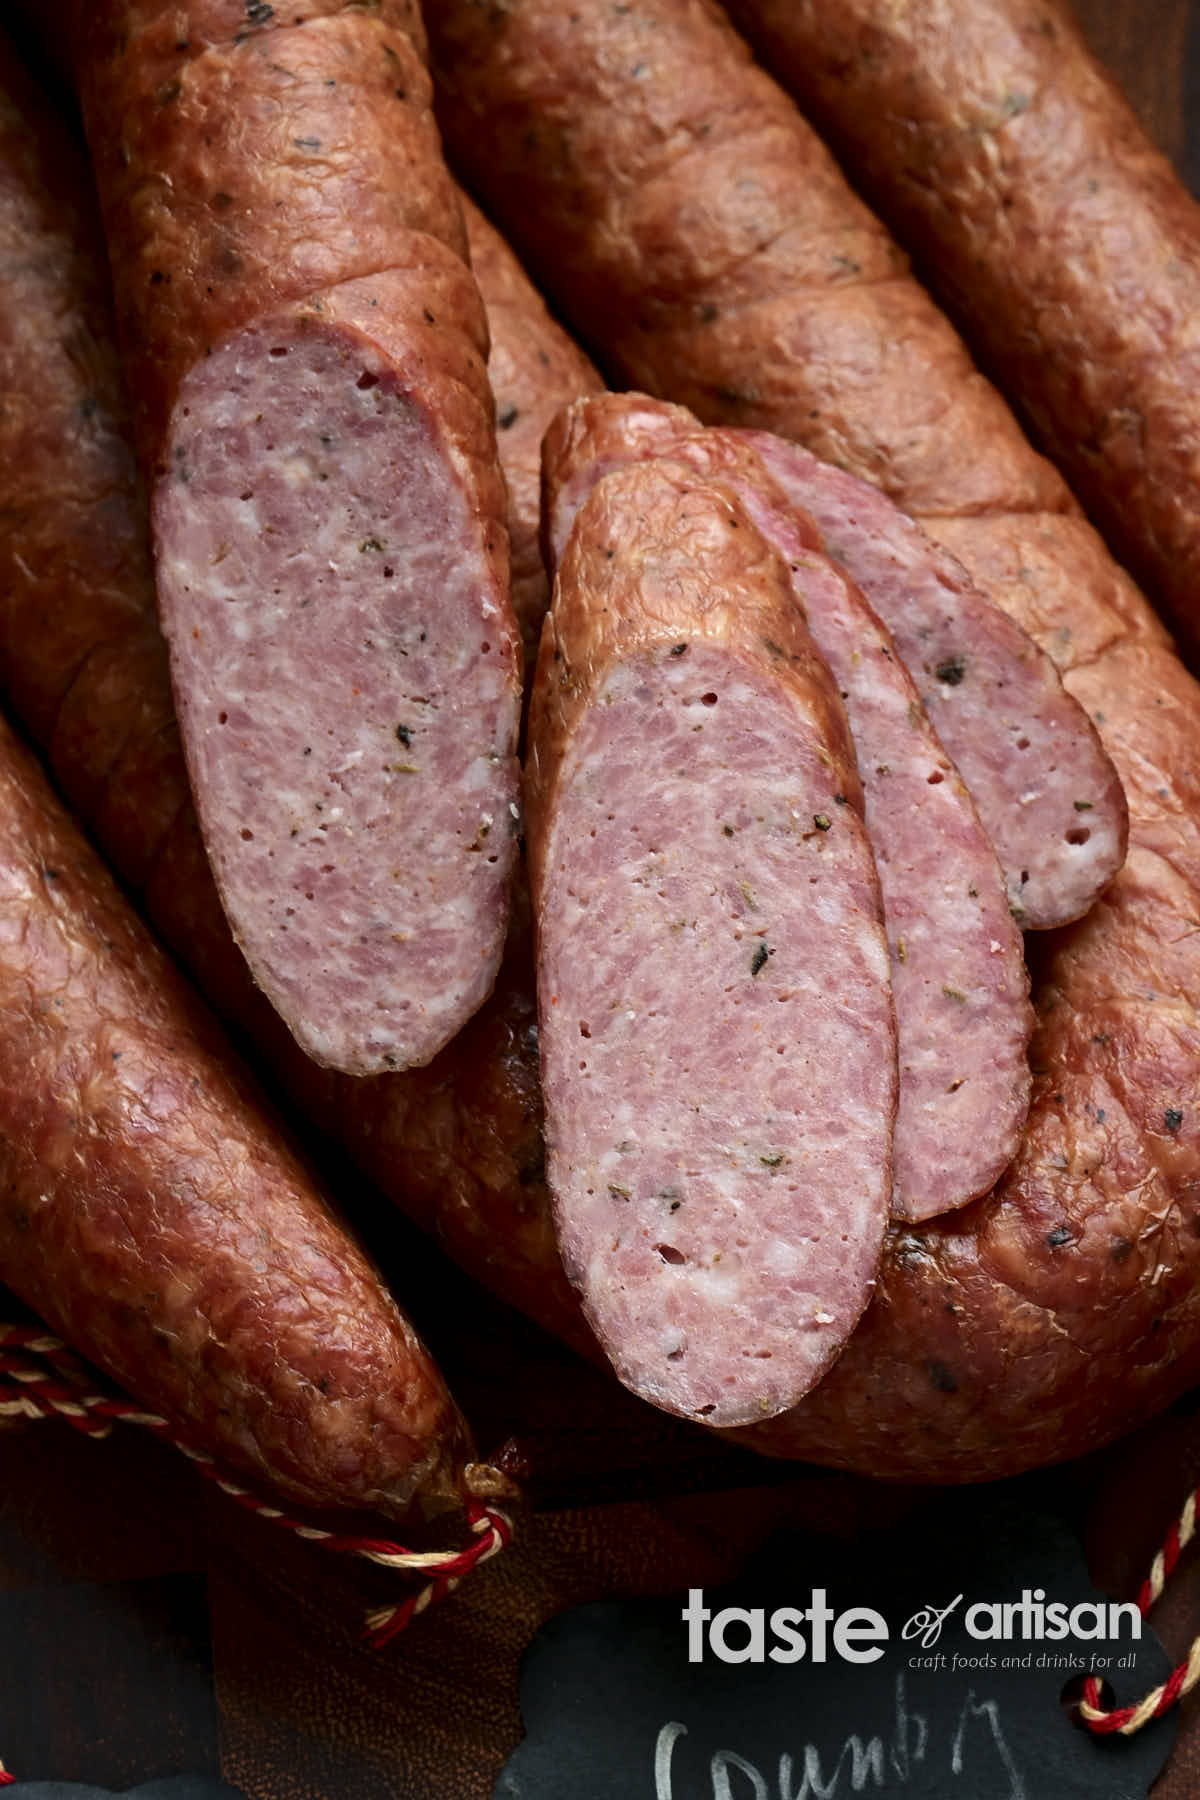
(717, 1035)
(307, 346)
(1045, 787)
(958, 973)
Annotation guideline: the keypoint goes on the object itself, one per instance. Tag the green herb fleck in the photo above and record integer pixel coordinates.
(953, 993)
(1173, 1118)
(1083, 806)
(774, 1160)
(622, 1193)
(404, 734)
(371, 543)
(952, 670)
(758, 961)
(822, 821)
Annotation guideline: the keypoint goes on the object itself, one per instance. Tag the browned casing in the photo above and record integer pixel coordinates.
(1062, 241)
(1038, 1322)
(242, 165)
(699, 236)
(532, 365)
(83, 664)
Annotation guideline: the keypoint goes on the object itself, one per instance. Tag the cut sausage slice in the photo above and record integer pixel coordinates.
(717, 1035)
(961, 989)
(347, 706)
(1045, 787)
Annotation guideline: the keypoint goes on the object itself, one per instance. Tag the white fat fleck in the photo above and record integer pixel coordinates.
(721, 1283)
(782, 1258)
(830, 909)
(823, 1318)
(995, 948)
(335, 812)
(487, 819)
(875, 954)
(298, 471)
(479, 774)
(631, 1016)
(348, 761)
(514, 809)
(1029, 796)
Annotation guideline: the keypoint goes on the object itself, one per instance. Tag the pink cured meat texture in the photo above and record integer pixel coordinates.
(1046, 790)
(958, 972)
(343, 714)
(711, 958)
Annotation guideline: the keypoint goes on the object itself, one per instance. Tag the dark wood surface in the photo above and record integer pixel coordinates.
(147, 1628)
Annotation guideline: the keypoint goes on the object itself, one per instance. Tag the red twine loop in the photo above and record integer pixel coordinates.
(32, 1362)
(31, 1388)
(1183, 1678)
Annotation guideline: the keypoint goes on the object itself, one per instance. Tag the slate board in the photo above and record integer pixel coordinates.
(613, 1706)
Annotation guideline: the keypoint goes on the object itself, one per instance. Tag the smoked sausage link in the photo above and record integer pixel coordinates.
(306, 345)
(718, 1041)
(152, 1213)
(703, 241)
(1062, 242)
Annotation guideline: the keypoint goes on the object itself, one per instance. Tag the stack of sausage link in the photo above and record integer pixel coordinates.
(280, 1351)
(680, 212)
(153, 1210)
